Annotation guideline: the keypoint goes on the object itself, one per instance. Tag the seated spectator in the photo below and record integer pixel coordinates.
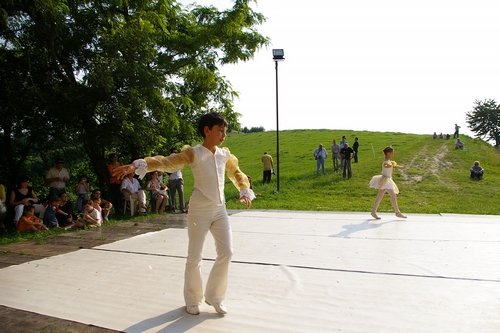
(29, 222)
(441, 135)
(434, 136)
(476, 171)
(447, 137)
(459, 144)
(22, 196)
(91, 217)
(158, 191)
(3, 210)
(104, 204)
(96, 203)
(132, 189)
(50, 218)
(65, 206)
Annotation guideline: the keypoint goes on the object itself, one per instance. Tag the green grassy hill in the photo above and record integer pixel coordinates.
(435, 178)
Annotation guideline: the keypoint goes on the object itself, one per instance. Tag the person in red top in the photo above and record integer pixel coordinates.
(29, 222)
(50, 218)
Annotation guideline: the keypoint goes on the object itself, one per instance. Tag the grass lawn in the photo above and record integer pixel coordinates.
(435, 179)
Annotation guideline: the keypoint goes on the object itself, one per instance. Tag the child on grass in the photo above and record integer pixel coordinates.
(384, 183)
(49, 217)
(90, 217)
(207, 210)
(82, 189)
(29, 222)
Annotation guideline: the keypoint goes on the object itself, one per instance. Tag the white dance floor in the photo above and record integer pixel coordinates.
(291, 272)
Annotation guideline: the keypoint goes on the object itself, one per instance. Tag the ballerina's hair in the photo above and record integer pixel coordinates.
(388, 149)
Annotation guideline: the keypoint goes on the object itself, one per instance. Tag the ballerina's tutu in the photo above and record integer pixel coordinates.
(381, 182)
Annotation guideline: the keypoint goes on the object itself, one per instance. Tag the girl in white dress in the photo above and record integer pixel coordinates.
(384, 183)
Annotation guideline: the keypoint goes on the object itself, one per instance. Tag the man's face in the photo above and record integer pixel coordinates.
(59, 166)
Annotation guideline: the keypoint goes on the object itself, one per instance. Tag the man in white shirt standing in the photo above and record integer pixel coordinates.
(132, 189)
(57, 177)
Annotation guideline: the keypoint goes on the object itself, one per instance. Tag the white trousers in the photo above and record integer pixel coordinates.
(19, 210)
(203, 217)
(141, 196)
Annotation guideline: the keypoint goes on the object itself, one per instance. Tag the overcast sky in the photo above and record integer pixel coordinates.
(402, 66)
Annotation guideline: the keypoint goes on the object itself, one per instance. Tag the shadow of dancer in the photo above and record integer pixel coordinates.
(352, 228)
(176, 320)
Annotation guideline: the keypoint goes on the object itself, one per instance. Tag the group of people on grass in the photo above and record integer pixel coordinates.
(342, 156)
(29, 213)
(56, 212)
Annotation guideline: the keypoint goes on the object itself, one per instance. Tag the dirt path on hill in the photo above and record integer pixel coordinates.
(428, 163)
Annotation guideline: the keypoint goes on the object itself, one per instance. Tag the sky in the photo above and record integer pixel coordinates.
(398, 66)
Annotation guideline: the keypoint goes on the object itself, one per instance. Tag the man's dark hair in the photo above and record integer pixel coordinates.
(210, 120)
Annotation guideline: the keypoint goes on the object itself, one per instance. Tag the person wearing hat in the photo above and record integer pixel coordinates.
(268, 166)
(57, 177)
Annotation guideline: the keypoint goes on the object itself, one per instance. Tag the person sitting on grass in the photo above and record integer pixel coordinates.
(476, 171)
(29, 222)
(459, 144)
(50, 218)
(96, 203)
(66, 206)
(105, 205)
(90, 217)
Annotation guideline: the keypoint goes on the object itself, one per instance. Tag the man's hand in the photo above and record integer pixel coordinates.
(121, 171)
(246, 200)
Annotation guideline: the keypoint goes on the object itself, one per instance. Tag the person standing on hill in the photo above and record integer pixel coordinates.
(267, 166)
(347, 155)
(384, 183)
(335, 148)
(355, 147)
(320, 155)
(457, 129)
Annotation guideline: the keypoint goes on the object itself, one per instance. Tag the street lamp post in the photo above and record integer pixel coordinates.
(278, 55)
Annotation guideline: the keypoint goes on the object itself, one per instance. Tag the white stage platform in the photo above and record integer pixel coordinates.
(291, 272)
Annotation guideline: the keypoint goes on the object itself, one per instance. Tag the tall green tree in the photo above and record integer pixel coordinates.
(484, 120)
(115, 76)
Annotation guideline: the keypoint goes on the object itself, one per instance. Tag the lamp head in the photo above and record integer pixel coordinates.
(278, 54)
